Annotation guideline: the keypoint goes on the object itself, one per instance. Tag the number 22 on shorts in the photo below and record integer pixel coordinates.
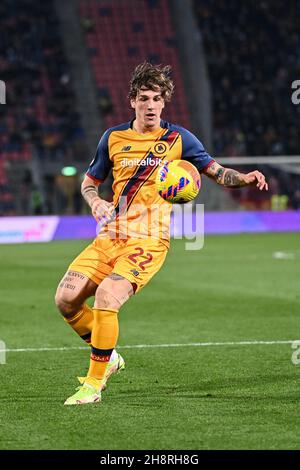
(140, 252)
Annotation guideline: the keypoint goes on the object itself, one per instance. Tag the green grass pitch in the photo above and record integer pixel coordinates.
(232, 396)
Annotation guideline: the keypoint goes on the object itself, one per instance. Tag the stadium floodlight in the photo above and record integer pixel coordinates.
(69, 171)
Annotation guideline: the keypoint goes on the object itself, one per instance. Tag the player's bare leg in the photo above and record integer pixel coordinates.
(110, 295)
(72, 292)
(113, 292)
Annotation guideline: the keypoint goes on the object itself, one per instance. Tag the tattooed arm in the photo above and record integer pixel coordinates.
(100, 207)
(234, 179)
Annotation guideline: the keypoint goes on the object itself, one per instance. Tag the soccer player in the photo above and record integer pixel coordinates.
(131, 246)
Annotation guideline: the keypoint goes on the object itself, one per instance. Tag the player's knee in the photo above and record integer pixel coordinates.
(66, 306)
(104, 299)
(113, 294)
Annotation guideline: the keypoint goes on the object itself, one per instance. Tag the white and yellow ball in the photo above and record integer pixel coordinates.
(178, 181)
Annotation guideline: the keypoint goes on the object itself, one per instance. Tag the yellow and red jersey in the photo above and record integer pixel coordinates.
(134, 159)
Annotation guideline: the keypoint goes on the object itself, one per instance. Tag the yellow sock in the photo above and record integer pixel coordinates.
(104, 339)
(82, 323)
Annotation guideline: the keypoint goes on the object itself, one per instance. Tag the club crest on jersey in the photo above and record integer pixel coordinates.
(160, 148)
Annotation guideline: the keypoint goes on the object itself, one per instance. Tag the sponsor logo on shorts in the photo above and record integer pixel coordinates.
(135, 272)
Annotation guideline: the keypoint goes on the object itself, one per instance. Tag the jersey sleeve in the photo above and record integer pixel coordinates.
(194, 152)
(101, 164)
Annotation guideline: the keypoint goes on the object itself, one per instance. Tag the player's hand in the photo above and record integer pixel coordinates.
(102, 210)
(256, 177)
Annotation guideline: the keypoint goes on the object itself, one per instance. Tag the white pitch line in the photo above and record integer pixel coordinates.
(284, 255)
(144, 346)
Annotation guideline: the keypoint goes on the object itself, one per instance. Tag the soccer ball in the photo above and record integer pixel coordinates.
(178, 181)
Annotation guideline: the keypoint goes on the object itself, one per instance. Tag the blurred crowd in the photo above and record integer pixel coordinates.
(40, 104)
(39, 116)
(252, 51)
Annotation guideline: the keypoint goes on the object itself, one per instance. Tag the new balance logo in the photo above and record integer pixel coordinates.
(126, 148)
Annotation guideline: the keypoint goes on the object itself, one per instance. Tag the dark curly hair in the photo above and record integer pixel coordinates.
(151, 77)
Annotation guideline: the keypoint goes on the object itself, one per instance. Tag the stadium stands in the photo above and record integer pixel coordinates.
(39, 115)
(120, 35)
(252, 51)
